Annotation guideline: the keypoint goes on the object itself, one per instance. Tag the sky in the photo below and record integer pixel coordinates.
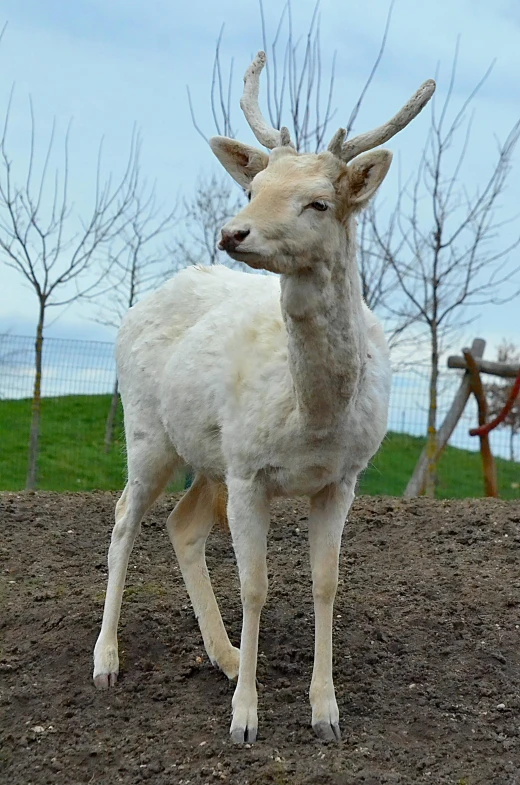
(124, 64)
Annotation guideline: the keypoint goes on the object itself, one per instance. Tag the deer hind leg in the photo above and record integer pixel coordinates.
(189, 526)
(151, 462)
(327, 518)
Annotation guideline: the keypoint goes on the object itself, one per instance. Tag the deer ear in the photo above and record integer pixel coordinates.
(240, 160)
(365, 174)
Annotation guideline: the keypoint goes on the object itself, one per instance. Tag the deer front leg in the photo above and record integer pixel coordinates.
(248, 513)
(328, 513)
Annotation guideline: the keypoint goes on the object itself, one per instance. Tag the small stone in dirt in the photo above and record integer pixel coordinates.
(501, 706)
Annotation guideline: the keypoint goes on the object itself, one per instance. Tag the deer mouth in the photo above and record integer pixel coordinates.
(251, 258)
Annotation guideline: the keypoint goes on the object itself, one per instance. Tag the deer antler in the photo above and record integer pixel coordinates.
(265, 134)
(360, 144)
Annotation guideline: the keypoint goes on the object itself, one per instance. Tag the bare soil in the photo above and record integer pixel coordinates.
(427, 656)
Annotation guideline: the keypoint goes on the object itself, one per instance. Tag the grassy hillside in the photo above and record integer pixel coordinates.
(72, 457)
(71, 445)
(460, 471)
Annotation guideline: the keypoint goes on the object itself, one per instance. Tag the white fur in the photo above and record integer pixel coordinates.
(275, 386)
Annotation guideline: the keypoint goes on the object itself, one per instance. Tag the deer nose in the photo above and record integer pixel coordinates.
(230, 241)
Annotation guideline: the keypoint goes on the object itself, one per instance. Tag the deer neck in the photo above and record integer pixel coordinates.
(322, 309)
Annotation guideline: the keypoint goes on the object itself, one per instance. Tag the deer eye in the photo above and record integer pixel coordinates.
(320, 206)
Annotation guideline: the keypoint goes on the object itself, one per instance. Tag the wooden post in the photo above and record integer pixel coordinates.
(488, 462)
(417, 481)
(505, 370)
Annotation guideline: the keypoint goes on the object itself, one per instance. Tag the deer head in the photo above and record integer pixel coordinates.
(300, 204)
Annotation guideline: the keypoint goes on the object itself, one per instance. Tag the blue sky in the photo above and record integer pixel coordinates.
(113, 65)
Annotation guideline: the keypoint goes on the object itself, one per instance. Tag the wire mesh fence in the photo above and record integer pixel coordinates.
(70, 367)
(409, 412)
(77, 383)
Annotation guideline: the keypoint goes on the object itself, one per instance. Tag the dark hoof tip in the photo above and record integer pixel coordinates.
(327, 732)
(243, 735)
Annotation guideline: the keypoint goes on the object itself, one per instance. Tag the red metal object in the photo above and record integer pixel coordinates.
(483, 430)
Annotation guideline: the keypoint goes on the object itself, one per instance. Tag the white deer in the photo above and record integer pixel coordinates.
(269, 385)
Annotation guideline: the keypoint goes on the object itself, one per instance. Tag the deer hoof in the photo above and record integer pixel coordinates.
(105, 680)
(326, 731)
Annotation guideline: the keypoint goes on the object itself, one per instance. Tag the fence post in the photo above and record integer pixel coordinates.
(417, 481)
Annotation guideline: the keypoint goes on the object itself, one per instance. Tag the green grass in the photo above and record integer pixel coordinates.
(72, 456)
(71, 445)
(460, 471)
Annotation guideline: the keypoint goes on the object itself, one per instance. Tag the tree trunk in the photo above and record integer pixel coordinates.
(111, 419)
(431, 440)
(34, 438)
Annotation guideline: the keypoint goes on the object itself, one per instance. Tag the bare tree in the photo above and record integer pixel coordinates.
(378, 279)
(135, 263)
(497, 394)
(298, 92)
(380, 285)
(135, 260)
(441, 240)
(215, 201)
(48, 244)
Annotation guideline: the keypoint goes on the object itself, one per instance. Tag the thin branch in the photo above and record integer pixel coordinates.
(357, 106)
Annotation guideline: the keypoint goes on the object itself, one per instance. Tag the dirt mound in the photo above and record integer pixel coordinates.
(427, 651)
